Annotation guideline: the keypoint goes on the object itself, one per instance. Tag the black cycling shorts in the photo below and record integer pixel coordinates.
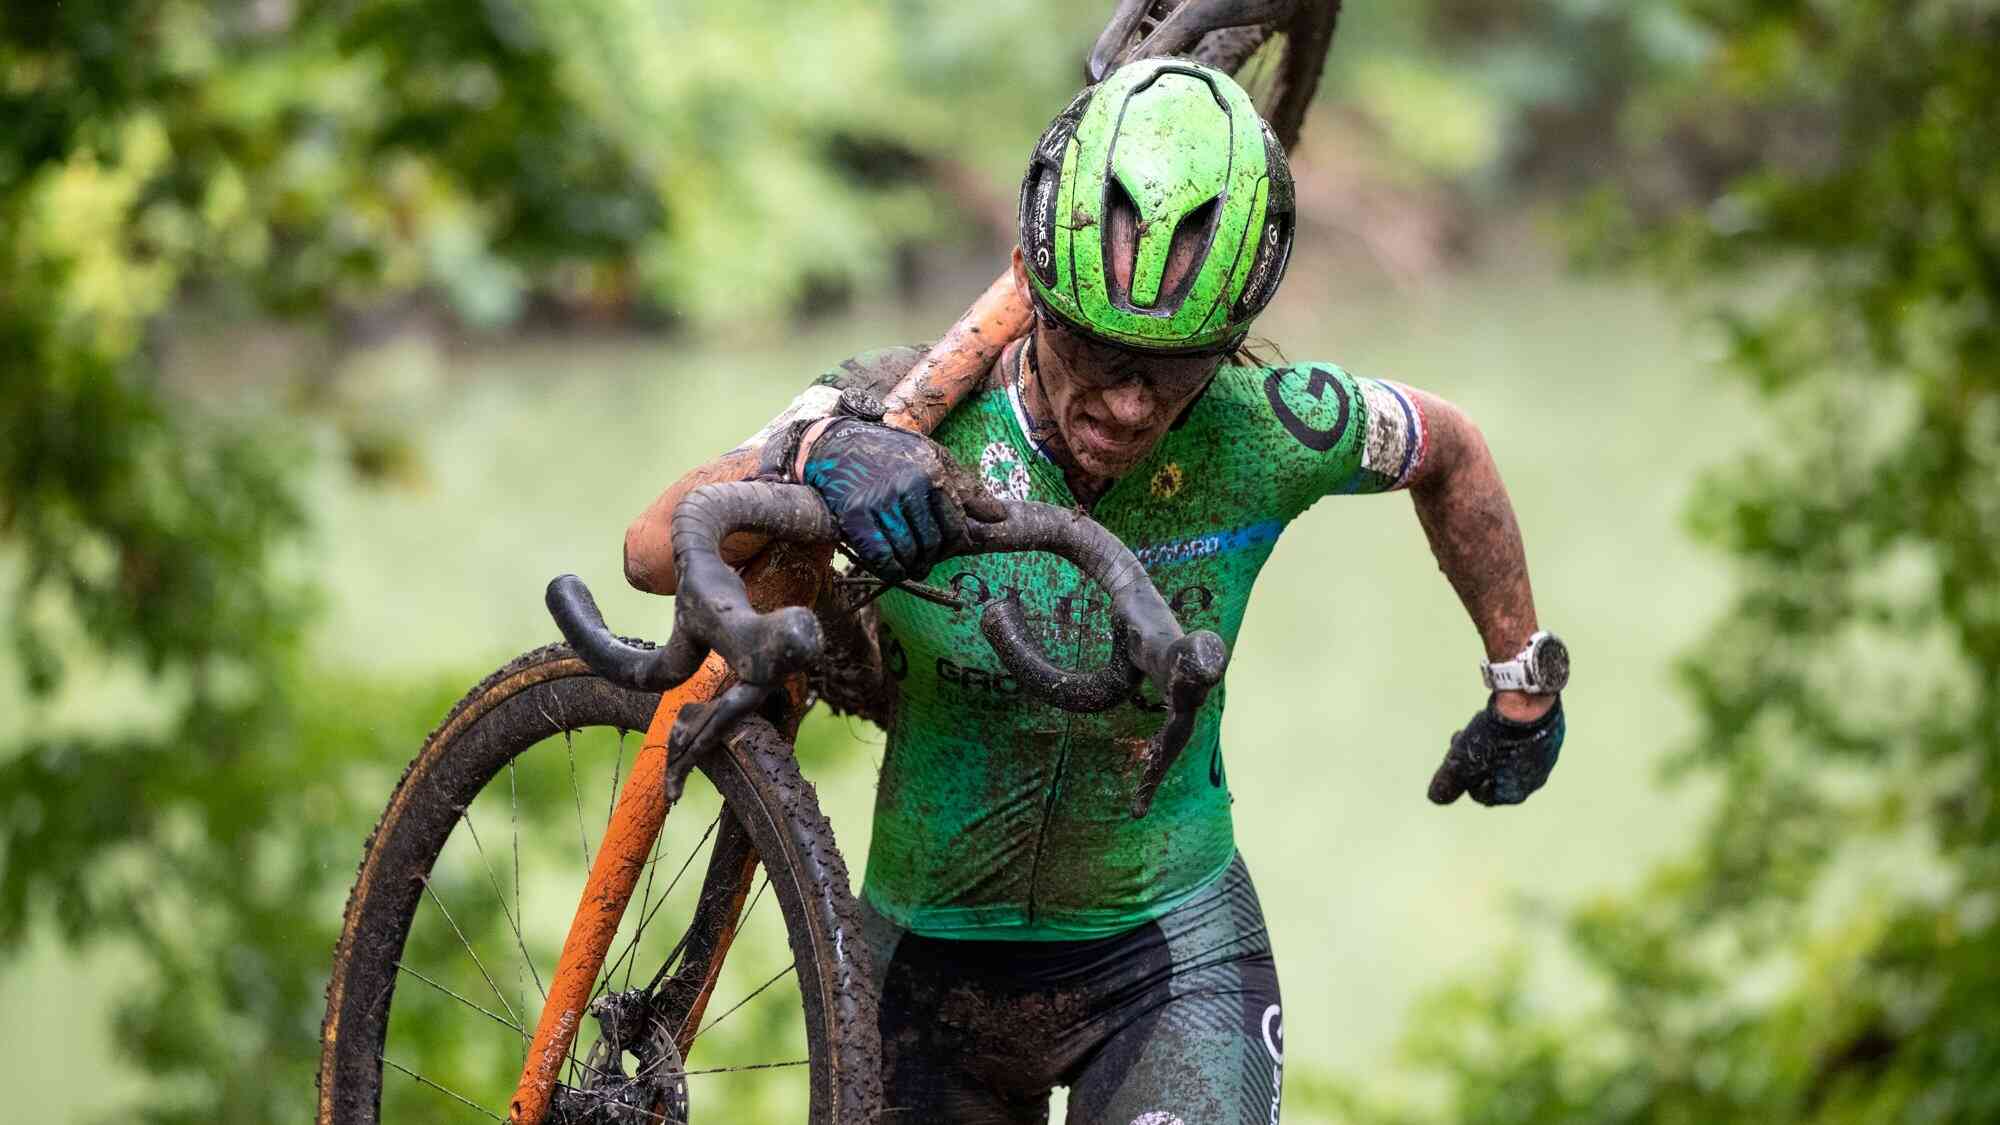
(1174, 1023)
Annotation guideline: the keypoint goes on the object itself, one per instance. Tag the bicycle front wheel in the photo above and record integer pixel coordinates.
(467, 885)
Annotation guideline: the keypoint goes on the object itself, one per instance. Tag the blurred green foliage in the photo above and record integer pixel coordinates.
(1828, 952)
(1502, 95)
(705, 160)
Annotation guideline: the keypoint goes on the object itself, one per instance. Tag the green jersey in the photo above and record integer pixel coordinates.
(999, 817)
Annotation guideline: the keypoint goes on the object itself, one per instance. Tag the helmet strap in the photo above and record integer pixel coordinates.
(1025, 368)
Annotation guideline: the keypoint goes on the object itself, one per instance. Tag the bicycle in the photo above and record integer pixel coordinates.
(732, 716)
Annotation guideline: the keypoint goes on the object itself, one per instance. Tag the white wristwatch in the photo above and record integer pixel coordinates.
(1542, 668)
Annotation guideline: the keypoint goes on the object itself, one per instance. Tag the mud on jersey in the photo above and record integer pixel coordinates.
(998, 817)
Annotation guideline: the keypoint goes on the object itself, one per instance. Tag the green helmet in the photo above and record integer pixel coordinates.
(1177, 150)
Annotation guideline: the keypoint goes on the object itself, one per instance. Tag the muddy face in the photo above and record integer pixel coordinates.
(1110, 406)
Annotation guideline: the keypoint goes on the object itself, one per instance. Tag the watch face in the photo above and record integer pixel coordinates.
(857, 403)
(1551, 661)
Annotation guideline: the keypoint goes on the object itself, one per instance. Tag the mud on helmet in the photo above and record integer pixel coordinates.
(1176, 151)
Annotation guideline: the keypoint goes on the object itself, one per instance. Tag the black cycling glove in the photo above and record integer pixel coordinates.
(1497, 760)
(901, 502)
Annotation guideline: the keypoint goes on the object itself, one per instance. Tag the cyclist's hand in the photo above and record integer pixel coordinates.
(1497, 760)
(900, 500)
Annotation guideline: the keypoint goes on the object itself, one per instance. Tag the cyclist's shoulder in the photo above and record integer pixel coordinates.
(1316, 426)
(1252, 377)
(876, 370)
(1282, 396)
(1312, 425)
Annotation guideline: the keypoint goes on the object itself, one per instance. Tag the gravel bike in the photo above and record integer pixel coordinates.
(439, 945)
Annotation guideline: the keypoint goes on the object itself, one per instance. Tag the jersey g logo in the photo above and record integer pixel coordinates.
(1314, 439)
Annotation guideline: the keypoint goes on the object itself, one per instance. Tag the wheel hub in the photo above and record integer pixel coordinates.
(654, 1093)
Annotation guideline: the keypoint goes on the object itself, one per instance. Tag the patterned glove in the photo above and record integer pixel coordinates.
(1497, 760)
(901, 502)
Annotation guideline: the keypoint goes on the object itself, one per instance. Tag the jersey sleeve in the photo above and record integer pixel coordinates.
(1347, 433)
(875, 371)
(1393, 441)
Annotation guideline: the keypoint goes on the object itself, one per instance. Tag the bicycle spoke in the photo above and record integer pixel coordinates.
(632, 947)
(680, 947)
(514, 806)
(514, 802)
(683, 943)
(726, 1069)
(441, 1089)
(745, 1066)
(672, 958)
(617, 764)
(487, 1012)
(514, 1024)
(468, 949)
(645, 900)
(582, 836)
(512, 922)
(791, 966)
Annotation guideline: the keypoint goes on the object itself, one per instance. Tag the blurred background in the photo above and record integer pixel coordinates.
(329, 331)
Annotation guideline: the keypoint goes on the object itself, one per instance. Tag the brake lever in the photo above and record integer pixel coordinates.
(700, 725)
(1198, 662)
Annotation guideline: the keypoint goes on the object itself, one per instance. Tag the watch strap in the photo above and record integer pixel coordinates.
(1508, 675)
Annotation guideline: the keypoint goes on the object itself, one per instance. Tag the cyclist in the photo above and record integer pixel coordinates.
(1028, 932)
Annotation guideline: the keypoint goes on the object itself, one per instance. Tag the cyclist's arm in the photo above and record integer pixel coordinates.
(1463, 506)
(649, 552)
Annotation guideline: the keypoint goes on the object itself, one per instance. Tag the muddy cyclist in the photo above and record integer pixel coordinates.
(1028, 931)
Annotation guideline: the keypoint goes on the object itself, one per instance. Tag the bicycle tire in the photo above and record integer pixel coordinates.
(507, 714)
(1291, 55)
(1296, 70)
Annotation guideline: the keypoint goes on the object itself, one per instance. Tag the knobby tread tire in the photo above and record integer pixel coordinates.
(532, 698)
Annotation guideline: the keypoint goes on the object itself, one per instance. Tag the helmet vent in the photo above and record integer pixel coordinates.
(1121, 242)
(1122, 235)
(1185, 253)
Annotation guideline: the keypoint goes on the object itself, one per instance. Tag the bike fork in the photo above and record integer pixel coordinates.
(614, 874)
